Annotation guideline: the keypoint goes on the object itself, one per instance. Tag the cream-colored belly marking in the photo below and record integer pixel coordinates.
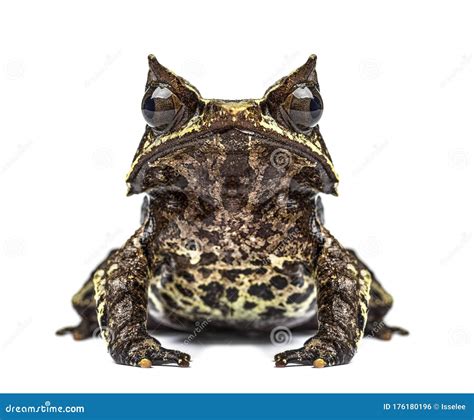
(233, 300)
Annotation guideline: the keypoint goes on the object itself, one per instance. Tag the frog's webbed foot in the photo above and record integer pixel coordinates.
(85, 329)
(145, 351)
(297, 356)
(315, 352)
(382, 331)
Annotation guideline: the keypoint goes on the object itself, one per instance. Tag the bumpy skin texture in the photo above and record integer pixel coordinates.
(232, 235)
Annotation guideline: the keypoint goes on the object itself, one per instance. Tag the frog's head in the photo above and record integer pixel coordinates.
(283, 126)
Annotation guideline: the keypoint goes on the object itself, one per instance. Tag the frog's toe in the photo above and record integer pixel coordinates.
(298, 356)
(146, 352)
(165, 357)
(82, 331)
(319, 363)
(316, 352)
(382, 331)
(162, 356)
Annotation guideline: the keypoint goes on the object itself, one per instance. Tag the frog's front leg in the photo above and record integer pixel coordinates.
(121, 292)
(343, 298)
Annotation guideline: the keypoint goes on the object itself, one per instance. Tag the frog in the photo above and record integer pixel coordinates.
(232, 233)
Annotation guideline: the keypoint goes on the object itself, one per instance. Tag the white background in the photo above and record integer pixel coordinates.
(397, 81)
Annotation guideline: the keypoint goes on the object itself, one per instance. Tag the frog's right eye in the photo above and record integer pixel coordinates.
(162, 109)
(302, 108)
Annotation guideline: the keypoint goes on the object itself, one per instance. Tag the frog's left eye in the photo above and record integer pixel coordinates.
(161, 108)
(302, 108)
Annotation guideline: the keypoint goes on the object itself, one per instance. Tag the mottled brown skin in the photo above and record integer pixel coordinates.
(232, 234)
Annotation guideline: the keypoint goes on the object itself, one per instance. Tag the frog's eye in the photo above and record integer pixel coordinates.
(161, 108)
(302, 108)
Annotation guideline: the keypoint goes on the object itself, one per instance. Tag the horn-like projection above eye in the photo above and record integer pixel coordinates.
(161, 108)
(302, 108)
(294, 101)
(169, 101)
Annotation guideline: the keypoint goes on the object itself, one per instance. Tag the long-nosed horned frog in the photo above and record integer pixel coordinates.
(232, 230)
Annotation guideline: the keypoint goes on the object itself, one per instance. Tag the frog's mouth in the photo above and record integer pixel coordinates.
(153, 148)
